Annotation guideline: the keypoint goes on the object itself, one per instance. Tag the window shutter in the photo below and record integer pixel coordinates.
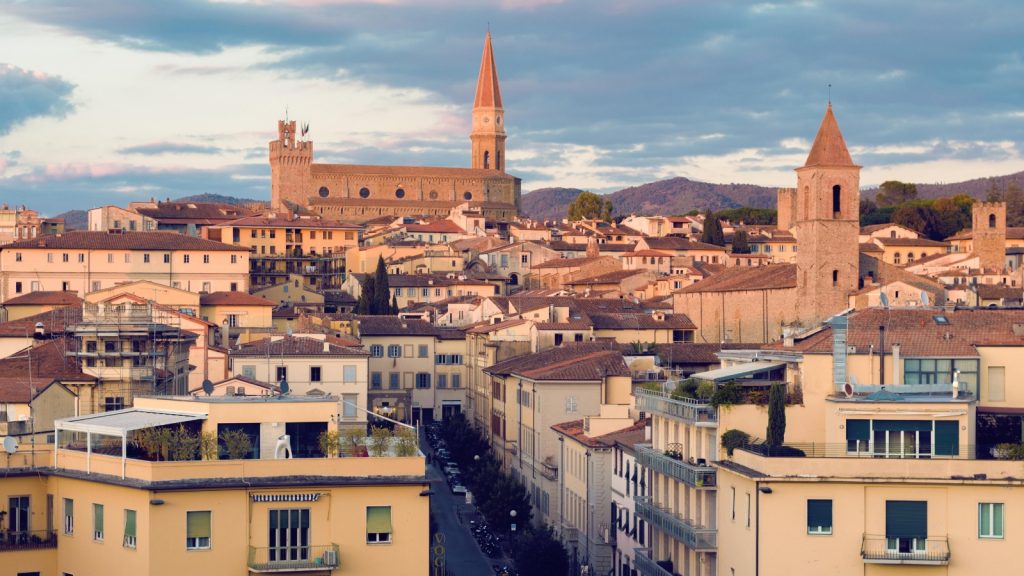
(129, 523)
(858, 430)
(947, 438)
(906, 425)
(906, 519)
(378, 519)
(97, 511)
(198, 524)
(819, 513)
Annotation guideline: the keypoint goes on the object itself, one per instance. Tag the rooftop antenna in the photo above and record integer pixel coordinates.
(830, 94)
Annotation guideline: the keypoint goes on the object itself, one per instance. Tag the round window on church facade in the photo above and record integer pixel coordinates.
(433, 194)
(468, 195)
(364, 192)
(324, 192)
(400, 193)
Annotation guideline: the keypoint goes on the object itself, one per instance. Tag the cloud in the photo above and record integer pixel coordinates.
(160, 148)
(26, 94)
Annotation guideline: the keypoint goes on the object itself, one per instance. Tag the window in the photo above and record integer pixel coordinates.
(185, 258)
(206, 258)
(906, 526)
(110, 258)
(423, 350)
(378, 524)
(111, 403)
(748, 509)
(127, 257)
(835, 277)
(558, 339)
(394, 380)
(64, 257)
(348, 374)
(819, 516)
(282, 373)
(17, 523)
(17, 256)
(207, 287)
(376, 380)
(837, 195)
(941, 371)
(69, 516)
(17, 287)
(314, 373)
(399, 193)
(65, 286)
(288, 536)
(376, 351)
(167, 258)
(129, 528)
(733, 489)
(991, 220)
(197, 530)
(145, 258)
(456, 381)
(394, 351)
(349, 409)
(234, 258)
(990, 520)
(423, 380)
(996, 383)
(570, 404)
(896, 258)
(442, 381)
(97, 522)
(524, 398)
(49, 257)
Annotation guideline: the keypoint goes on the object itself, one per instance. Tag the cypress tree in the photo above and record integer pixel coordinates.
(712, 230)
(740, 242)
(381, 303)
(776, 435)
(366, 294)
(394, 305)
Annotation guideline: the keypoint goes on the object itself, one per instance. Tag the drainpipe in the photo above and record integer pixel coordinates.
(757, 528)
(881, 355)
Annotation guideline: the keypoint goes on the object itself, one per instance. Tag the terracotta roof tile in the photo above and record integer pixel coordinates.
(88, 240)
(44, 362)
(296, 346)
(572, 362)
(45, 298)
(770, 277)
(233, 299)
(829, 148)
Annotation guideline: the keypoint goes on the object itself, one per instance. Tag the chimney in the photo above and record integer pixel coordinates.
(647, 433)
(896, 365)
(327, 346)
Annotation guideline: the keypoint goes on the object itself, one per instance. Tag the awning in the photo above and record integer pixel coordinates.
(120, 422)
(737, 371)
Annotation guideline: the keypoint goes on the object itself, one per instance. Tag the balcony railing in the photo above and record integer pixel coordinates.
(853, 449)
(691, 474)
(11, 540)
(293, 558)
(695, 537)
(933, 551)
(648, 566)
(692, 411)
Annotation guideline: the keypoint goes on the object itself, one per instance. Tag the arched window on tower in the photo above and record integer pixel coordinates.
(837, 194)
(497, 160)
(991, 220)
(835, 277)
(487, 160)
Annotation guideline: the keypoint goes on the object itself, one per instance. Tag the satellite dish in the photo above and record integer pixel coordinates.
(924, 298)
(848, 390)
(10, 444)
(284, 386)
(208, 387)
(884, 298)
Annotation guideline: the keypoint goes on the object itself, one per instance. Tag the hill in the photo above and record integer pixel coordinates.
(672, 196)
(977, 188)
(75, 219)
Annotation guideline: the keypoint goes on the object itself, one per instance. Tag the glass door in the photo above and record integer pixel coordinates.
(17, 518)
(289, 535)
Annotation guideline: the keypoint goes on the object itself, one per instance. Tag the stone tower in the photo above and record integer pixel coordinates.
(988, 234)
(290, 161)
(826, 225)
(785, 208)
(488, 134)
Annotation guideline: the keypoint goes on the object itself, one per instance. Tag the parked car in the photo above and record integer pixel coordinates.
(458, 489)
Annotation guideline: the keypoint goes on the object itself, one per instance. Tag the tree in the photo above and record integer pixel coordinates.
(747, 215)
(537, 552)
(712, 230)
(382, 292)
(740, 245)
(918, 216)
(590, 206)
(367, 294)
(894, 193)
(776, 435)
(394, 304)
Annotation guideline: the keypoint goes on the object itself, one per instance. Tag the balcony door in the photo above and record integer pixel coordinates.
(17, 514)
(906, 526)
(289, 535)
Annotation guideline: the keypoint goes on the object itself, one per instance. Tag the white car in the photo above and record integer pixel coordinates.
(458, 489)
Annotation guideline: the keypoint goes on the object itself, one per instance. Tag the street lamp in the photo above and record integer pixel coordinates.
(512, 515)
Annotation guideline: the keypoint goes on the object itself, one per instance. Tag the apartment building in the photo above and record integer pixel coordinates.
(417, 370)
(84, 262)
(98, 502)
(410, 289)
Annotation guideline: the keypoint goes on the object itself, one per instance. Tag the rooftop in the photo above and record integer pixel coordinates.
(45, 298)
(156, 241)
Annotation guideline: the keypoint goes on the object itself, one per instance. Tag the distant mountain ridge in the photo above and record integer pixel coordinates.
(681, 195)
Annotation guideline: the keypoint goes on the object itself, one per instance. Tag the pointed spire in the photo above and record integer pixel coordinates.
(829, 148)
(488, 95)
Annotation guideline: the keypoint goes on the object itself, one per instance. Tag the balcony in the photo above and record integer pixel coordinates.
(648, 566)
(681, 470)
(690, 411)
(694, 537)
(293, 558)
(12, 541)
(878, 549)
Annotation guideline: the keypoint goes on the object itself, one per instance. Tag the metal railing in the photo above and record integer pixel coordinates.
(693, 411)
(691, 474)
(695, 537)
(12, 540)
(293, 558)
(648, 566)
(877, 549)
(850, 450)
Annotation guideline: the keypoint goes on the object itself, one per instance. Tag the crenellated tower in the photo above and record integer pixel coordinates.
(988, 234)
(488, 132)
(290, 161)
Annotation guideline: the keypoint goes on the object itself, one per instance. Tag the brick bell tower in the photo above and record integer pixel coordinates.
(988, 234)
(488, 133)
(290, 161)
(826, 225)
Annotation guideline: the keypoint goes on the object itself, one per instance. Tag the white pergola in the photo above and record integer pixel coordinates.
(117, 423)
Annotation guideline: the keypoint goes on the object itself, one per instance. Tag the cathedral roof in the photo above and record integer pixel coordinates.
(488, 94)
(829, 148)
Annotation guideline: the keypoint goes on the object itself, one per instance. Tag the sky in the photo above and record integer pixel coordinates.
(107, 101)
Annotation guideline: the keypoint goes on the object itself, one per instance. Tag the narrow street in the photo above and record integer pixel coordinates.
(462, 555)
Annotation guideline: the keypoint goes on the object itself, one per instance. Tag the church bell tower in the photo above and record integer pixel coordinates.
(488, 133)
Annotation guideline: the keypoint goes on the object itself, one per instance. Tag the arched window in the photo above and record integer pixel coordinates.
(837, 194)
(835, 277)
(910, 257)
(892, 234)
(896, 258)
(497, 160)
(991, 220)
(487, 160)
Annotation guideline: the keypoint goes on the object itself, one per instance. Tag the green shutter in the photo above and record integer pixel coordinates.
(858, 430)
(906, 519)
(378, 519)
(819, 514)
(198, 524)
(905, 425)
(129, 523)
(947, 438)
(97, 517)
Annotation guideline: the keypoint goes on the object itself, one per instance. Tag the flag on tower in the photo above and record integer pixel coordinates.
(305, 129)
